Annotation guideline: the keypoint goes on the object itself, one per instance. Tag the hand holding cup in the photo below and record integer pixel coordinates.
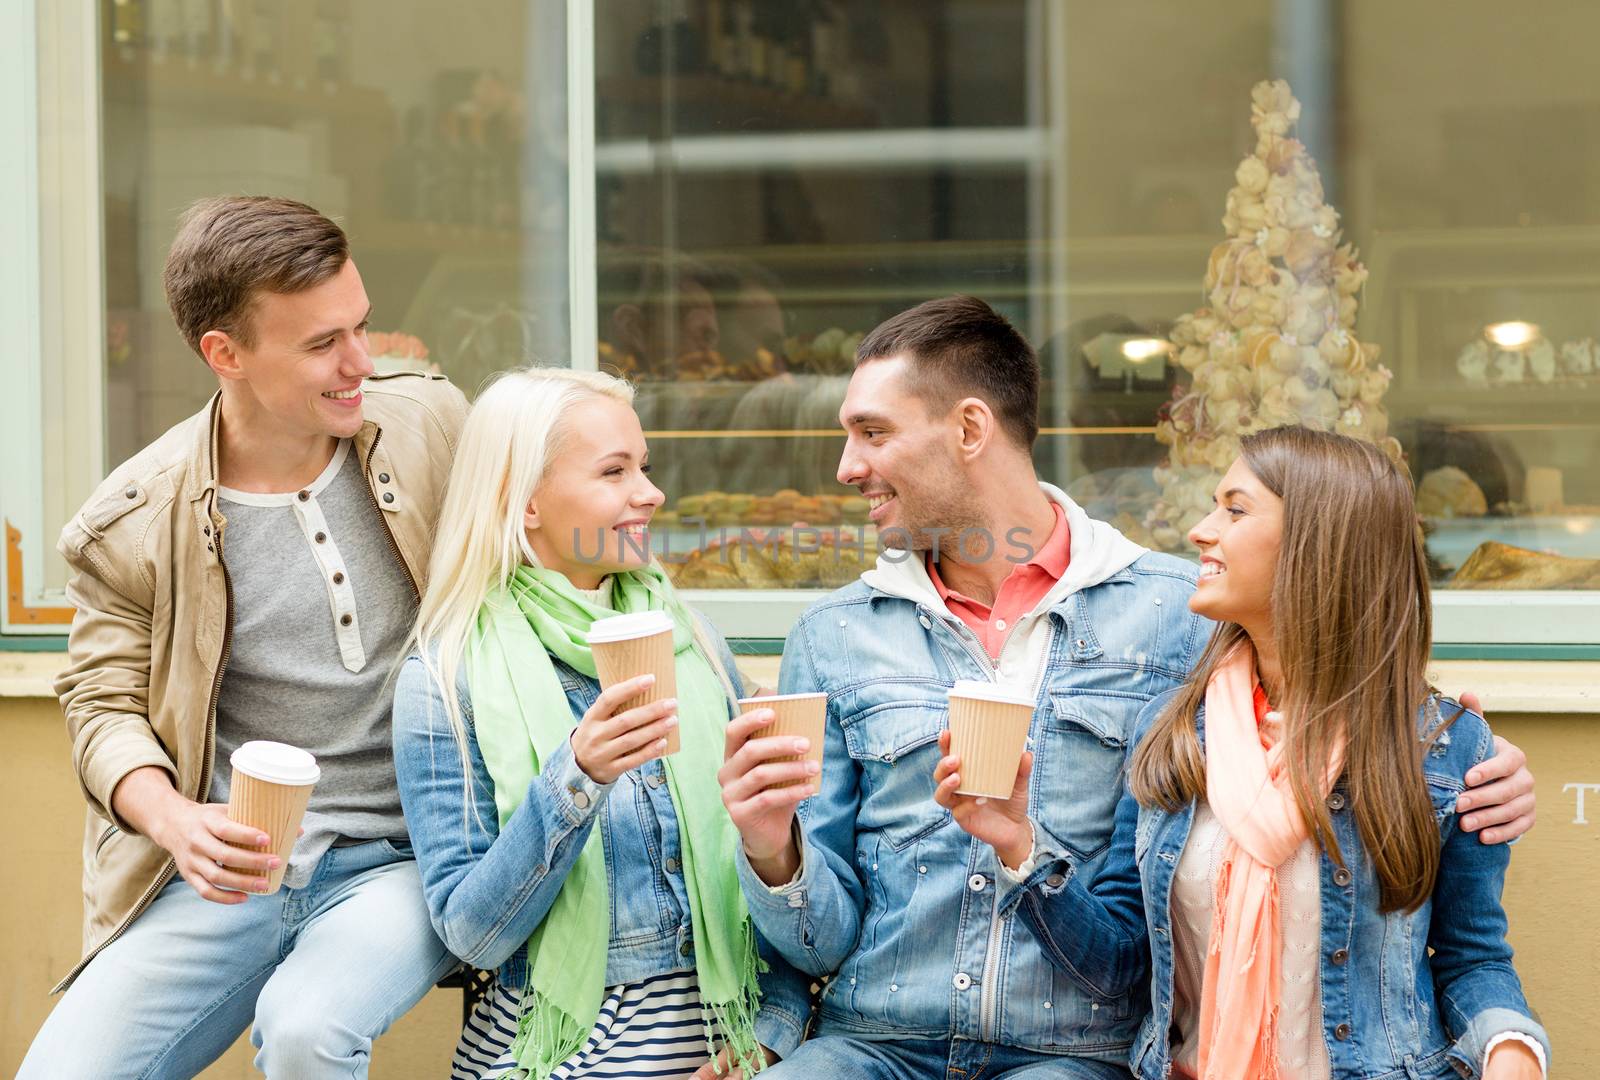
(983, 776)
(616, 734)
(640, 643)
(1001, 823)
(771, 763)
(270, 789)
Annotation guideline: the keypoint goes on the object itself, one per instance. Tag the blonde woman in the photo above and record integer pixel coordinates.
(1289, 848)
(557, 845)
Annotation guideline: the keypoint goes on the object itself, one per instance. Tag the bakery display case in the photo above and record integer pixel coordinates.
(1497, 381)
(749, 236)
(415, 132)
(719, 198)
(772, 180)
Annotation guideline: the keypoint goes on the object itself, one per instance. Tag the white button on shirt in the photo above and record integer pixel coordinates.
(325, 549)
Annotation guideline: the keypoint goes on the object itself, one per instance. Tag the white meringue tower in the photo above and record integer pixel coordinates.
(1276, 345)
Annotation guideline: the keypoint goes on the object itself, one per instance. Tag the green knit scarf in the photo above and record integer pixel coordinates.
(521, 716)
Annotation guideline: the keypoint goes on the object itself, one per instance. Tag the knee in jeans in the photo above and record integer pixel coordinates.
(295, 1032)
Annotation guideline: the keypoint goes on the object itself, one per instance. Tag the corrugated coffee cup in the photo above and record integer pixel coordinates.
(988, 731)
(626, 646)
(799, 715)
(271, 786)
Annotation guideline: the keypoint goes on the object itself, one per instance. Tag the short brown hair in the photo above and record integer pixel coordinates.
(231, 247)
(961, 347)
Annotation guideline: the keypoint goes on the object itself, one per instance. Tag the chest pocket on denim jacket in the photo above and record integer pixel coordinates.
(1078, 761)
(896, 745)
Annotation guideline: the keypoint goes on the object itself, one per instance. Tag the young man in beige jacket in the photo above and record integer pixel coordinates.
(252, 574)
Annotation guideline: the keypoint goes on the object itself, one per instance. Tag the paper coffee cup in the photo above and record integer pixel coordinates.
(271, 785)
(988, 731)
(626, 646)
(798, 715)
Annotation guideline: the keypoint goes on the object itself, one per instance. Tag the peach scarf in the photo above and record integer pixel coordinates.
(1248, 789)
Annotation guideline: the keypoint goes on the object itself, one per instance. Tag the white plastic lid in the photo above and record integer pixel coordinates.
(623, 627)
(276, 763)
(988, 691)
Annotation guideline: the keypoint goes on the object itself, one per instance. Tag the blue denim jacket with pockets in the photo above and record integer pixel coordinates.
(1405, 995)
(904, 910)
(487, 890)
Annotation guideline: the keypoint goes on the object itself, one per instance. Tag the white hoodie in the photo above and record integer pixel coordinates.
(1097, 552)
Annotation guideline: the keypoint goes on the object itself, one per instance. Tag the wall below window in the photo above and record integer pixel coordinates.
(41, 829)
(1550, 893)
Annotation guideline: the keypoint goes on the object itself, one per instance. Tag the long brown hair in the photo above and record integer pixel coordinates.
(1352, 624)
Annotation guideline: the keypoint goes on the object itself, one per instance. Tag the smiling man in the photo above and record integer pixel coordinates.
(1001, 578)
(252, 574)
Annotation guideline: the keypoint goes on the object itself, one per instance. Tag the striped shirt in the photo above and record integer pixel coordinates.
(654, 1028)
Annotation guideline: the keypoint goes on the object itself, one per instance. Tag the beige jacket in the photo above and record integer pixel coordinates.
(151, 634)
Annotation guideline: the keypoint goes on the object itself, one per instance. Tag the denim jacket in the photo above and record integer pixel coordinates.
(488, 889)
(911, 912)
(1405, 995)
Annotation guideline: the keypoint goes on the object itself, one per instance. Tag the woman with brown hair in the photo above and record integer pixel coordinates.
(1311, 906)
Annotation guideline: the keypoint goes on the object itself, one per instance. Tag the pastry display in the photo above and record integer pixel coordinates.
(698, 365)
(391, 352)
(832, 352)
(1543, 489)
(1580, 359)
(1539, 362)
(1473, 361)
(1495, 565)
(778, 559)
(716, 509)
(1275, 343)
(1450, 493)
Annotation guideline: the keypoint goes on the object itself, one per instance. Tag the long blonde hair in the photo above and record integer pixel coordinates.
(517, 427)
(1352, 623)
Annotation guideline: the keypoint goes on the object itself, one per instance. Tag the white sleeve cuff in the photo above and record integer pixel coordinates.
(1526, 1040)
(800, 868)
(1020, 874)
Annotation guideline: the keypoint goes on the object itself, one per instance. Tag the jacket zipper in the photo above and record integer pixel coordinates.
(988, 991)
(394, 545)
(988, 987)
(171, 866)
(969, 642)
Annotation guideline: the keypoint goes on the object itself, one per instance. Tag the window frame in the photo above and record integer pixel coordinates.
(1467, 624)
(50, 193)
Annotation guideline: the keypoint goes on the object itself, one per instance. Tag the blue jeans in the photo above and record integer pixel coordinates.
(321, 970)
(914, 1059)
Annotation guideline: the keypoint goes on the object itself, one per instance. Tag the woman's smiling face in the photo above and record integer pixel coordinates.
(1239, 543)
(590, 515)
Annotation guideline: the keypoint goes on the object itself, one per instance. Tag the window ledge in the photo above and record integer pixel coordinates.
(30, 674)
(1523, 686)
(1505, 686)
